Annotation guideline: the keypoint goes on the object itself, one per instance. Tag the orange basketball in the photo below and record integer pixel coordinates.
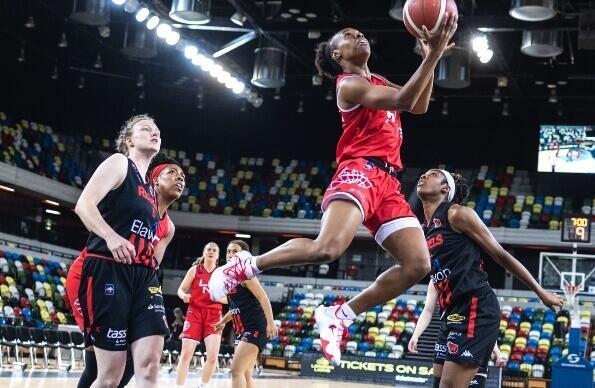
(417, 13)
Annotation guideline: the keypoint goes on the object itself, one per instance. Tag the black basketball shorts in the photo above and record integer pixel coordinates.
(256, 337)
(121, 303)
(469, 330)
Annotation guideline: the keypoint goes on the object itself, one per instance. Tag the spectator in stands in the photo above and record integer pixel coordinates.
(119, 208)
(174, 341)
(457, 238)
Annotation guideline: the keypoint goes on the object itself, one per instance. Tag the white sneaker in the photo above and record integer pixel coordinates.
(226, 278)
(331, 332)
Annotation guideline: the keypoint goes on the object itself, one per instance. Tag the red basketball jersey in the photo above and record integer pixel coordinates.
(162, 229)
(369, 132)
(199, 291)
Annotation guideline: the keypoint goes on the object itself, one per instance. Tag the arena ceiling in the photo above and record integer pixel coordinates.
(170, 81)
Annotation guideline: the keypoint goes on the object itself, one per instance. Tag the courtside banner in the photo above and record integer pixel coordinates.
(369, 370)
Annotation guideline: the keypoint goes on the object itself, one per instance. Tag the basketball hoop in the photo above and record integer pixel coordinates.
(570, 291)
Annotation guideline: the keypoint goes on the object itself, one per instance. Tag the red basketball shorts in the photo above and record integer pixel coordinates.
(73, 282)
(199, 323)
(376, 193)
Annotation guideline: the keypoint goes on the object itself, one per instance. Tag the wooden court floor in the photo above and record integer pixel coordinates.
(40, 379)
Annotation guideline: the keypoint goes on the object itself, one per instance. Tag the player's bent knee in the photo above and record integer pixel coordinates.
(237, 371)
(149, 370)
(327, 252)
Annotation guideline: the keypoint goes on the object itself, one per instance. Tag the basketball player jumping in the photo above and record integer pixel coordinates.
(366, 188)
(169, 182)
(118, 280)
(456, 236)
(202, 314)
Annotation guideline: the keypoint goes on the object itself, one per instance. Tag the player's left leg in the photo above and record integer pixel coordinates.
(212, 343)
(146, 353)
(457, 375)
(243, 361)
(408, 245)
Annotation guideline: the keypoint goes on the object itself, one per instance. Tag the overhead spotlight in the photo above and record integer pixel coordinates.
(560, 111)
(140, 80)
(300, 108)
(118, 2)
(301, 19)
(316, 80)
(539, 82)
(486, 56)
(310, 15)
(104, 31)
(542, 43)
(21, 57)
(131, 6)
(55, 73)
(172, 38)
(330, 96)
(98, 62)
(313, 34)
(505, 111)
(238, 18)
(258, 102)
(81, 84)
(480, 43)
(224, 77)
(142, 95)
(190, 51)
(396, 11)
(216, 70)
(207, 64)
(553, 98)
(142, 14)
(532, 10)
(163, 30)
(294, 11)
(496, 97)
(30, 23)
(199, 60)
(152, 22)
(239, 88)
(191, 11)
(445, 108)
(231, 82)
(502, 82)
(277, 95)
(91, 12)
(551, 85)
(63, 43)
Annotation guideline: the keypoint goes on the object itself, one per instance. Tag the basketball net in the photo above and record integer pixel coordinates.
(571, 291)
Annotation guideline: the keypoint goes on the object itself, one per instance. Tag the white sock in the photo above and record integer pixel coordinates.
(345, 312)
(255, 269)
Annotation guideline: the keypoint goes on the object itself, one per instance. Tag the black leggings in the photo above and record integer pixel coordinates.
(90, 372)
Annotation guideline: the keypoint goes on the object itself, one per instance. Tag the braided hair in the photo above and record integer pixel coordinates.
(159, 160)
(461, 189)
(326, 65)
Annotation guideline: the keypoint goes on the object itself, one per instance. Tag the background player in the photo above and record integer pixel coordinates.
(119, 208)
(201, 315)
(169, 182)
(456, 236)
(366, 186)
(252, 315)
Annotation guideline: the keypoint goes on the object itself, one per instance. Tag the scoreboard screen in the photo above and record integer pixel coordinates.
(576, 229)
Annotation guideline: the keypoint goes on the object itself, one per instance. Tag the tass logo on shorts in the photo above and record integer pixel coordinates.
(116, 334)
(110, 289)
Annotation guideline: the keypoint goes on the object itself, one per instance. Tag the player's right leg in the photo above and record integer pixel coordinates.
(339, 225)
(188, 347)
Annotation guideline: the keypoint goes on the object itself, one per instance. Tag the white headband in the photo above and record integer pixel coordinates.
(451, 184)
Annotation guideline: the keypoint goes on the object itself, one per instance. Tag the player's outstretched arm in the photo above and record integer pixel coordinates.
(464, 220)
(186, 284)
(424, 318)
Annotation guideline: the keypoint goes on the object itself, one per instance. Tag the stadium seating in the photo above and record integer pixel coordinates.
(253, 186)
(382, 332)
(32, 291)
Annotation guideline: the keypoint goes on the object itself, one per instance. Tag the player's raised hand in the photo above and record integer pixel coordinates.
(438, 42)
(551, 300)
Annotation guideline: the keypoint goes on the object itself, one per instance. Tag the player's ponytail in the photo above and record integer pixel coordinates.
(326, 65)
(461, 189)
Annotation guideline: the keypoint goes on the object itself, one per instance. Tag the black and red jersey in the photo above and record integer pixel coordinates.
(246, 311)
(131, 211)
(457, 267)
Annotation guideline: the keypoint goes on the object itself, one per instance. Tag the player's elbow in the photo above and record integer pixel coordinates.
(419, 110)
